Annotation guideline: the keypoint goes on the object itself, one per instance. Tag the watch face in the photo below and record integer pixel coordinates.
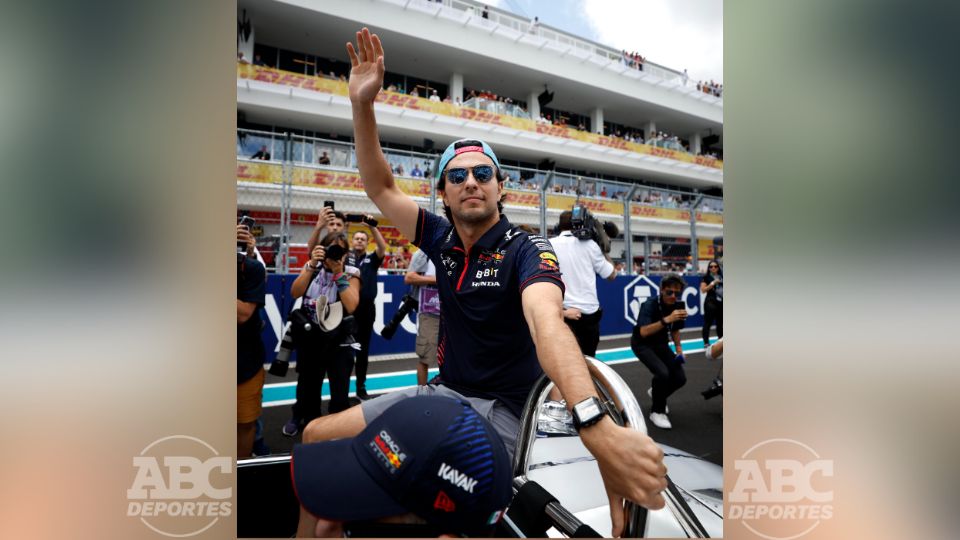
(587, 410)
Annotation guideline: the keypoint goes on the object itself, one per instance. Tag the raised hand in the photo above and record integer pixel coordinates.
(366, 73)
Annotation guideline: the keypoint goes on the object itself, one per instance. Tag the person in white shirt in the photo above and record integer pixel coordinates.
(579, 260)
(422, 274)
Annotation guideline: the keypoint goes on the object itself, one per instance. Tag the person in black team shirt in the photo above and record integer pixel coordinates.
(712, 285)
(661, 318)
(367, 264)
(251, 294)
(501, 321)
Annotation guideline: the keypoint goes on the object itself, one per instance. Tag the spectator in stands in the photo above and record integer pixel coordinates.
(659, 319)
(241, 58)
(535, 25)
(434, 97)
(257, 61)
(326, 348)
(486, 13)
(422, 274)
(392, 88)
(685, 77)
(415, 93)
(447, 99)
(262, 153)
(324, 159)
(399, 170)
(711, 285)
(251, 296)
(367, 264)
(603, 191)
(416, 172)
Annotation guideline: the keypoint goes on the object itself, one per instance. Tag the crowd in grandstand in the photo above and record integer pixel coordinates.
(712, 88)
(632, 59)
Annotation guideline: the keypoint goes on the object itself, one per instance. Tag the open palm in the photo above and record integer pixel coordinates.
(366, 73)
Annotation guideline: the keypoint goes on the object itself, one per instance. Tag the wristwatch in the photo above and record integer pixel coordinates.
(588, 412)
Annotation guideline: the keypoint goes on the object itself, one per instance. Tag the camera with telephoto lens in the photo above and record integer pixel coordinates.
(281, 363)
(586, 227)
(716, 389)
(408, 304)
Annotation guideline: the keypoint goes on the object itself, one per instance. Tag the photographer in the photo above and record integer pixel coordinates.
(251, 294)
(579, 260)
(326, 348)
(329, 221)
(423, 275)
(368, 264)
(660, 319)
(711, 285)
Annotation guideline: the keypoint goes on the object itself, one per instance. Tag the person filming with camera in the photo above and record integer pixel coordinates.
(322, 327)
(580, 257)
(660, 319)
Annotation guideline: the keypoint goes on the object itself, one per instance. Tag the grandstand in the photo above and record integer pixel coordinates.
(570, 119)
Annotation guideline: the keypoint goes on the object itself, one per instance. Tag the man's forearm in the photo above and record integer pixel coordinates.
(650, 329)
(415, 279)
(314, 238)
(561, 359)
(378, 239)
(373, 166)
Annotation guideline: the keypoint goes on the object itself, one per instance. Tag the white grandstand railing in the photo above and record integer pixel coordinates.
(343, 157)
(603, 55)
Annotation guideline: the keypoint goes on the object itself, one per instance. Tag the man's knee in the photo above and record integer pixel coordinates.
(317, 430)
(335, 426)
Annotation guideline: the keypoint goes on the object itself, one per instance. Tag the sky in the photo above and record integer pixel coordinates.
(679, 34)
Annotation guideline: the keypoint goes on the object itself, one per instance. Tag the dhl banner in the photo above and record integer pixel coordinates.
(705, 249)
(350, 181)
(272, 173)
(321, 84)
(657, 212)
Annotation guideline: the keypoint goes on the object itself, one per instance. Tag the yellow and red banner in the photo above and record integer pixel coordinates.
(679, 214)
(330, 86)
(272, 173)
